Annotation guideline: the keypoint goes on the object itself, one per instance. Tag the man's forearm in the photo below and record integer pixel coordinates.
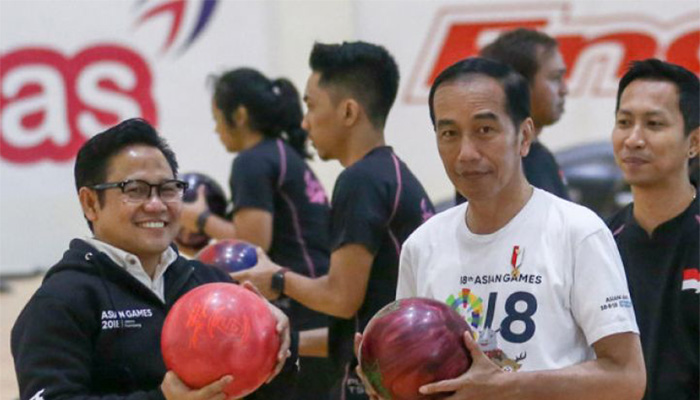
(617, 374)
(592, 380)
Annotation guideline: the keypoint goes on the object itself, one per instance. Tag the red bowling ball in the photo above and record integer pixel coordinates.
(221, 329)
(229, 254)
(410, 343)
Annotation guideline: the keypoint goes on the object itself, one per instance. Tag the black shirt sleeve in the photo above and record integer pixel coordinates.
(253, 182)
(360, 211)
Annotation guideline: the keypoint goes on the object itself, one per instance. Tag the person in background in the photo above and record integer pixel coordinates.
(278, 203)
(655, 135)
(377, 201)
(189, 243)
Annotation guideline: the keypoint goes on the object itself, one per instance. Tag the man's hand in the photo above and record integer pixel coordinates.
(282, 330)
(482, 380)
(369, 390)
(190, 211)
(260, 275)
(174, 389)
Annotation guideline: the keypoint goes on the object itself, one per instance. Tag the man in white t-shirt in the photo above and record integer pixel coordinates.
(538, 278)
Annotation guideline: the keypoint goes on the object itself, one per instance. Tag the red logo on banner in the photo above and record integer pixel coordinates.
(596, 49)
(176, 10)
(51, 104)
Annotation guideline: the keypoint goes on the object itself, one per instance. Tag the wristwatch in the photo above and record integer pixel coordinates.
(202, 221)
(277, 283)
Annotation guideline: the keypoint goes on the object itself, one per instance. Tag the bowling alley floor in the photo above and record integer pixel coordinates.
(12, 301)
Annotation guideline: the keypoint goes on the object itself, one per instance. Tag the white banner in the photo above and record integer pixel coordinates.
(71, 68)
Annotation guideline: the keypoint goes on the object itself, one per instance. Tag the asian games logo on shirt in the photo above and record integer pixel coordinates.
(499, 314)
(514, 275)
(124, 319)
(516, 260)
(520, 307)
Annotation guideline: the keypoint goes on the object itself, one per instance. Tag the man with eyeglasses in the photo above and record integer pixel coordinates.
(93, 328)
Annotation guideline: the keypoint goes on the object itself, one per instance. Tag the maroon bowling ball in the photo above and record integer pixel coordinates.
(230, 255)
(410, 343)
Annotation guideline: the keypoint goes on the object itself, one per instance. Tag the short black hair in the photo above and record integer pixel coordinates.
(366, 71)
(273, 106)
(519, 49)
(686, 82)
(517, 92)
(94, 156)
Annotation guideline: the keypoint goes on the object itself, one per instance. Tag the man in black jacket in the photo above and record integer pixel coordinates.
(93, 328)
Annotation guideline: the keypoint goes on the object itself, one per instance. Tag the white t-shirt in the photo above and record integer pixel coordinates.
(539, 291)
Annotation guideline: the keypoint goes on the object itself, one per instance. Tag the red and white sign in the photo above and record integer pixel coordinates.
(597, 39)
(597, 49)
(51, 104)
(71, 69)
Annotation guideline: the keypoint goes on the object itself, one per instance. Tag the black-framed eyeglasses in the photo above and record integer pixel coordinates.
(137, 190)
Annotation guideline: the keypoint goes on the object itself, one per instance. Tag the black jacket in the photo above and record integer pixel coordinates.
(92, 330)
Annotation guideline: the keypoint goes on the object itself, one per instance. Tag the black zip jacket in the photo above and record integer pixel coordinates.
(93, 331)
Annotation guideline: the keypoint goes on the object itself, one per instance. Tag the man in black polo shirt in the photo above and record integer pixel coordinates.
(656, 133)
(377, 202)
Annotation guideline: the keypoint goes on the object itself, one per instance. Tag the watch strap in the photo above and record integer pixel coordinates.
(278, 280)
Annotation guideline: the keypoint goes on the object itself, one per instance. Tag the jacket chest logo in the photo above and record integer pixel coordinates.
(125, 319)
